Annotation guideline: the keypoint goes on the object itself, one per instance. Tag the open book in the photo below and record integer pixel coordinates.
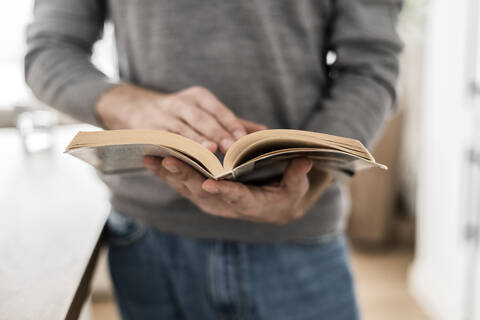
(256, 156)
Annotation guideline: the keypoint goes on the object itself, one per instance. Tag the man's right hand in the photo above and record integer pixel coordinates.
(194, 112)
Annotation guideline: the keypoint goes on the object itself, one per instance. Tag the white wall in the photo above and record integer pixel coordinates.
(438, 275)
(411, 29)
(14, 18)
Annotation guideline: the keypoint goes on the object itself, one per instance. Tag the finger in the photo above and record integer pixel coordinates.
(183, 173)
(239, 197)
(177, 175)
(153, 164)
(168, 166)
(210, 103)
(205, 124)
(251, 126)
(175, 166)
(231, 192)
(177, 126)
(295, 178)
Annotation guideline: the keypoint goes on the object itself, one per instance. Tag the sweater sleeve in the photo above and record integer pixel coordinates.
(361, 88)
(59, 47)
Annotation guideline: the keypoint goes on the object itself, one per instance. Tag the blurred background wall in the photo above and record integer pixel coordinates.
(384, 205)
(432, 143)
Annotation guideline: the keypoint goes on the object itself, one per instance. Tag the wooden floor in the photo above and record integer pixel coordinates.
(381, 280)
(381, 287)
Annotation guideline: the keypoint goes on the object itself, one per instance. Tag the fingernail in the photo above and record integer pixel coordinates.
(209, 145)
(238, 134)
(171, 168)
(212, 190)
(226, 143)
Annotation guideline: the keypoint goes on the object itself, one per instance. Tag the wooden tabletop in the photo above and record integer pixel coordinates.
(52, 212)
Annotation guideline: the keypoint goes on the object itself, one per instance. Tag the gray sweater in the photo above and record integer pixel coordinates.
(265, 59)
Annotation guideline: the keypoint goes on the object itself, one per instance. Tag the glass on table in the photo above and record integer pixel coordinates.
(35, 126)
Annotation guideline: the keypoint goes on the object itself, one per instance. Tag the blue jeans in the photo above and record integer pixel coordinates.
(158, 275)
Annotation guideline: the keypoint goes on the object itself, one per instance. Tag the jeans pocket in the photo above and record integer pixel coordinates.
(123, 230)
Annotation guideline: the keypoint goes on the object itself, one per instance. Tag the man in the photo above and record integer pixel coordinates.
(182, 247)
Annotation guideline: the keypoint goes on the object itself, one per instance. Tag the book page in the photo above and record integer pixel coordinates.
(127, 158)
(265, 141)
(180, 146)
(272, 164)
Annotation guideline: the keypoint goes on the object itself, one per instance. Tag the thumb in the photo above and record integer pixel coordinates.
(295, 178)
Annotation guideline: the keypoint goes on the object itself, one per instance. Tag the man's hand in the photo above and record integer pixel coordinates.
(194, 113)
(279, 204)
